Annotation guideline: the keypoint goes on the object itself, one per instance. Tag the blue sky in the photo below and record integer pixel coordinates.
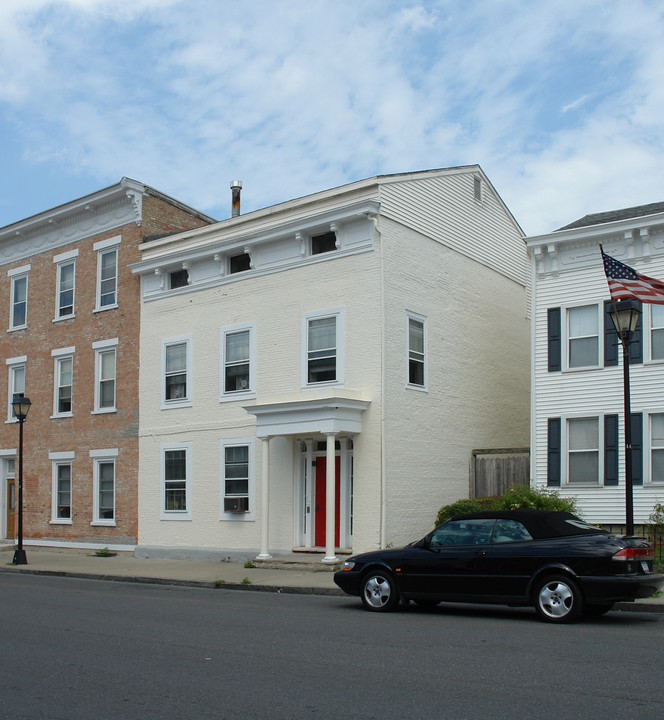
(560, 101)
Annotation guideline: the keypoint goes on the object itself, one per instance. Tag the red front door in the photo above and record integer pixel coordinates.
(11, 508)
(320, 500)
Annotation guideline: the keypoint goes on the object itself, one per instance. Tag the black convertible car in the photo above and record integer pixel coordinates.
(551, 560)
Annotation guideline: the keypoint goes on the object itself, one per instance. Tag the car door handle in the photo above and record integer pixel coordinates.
(480, 553)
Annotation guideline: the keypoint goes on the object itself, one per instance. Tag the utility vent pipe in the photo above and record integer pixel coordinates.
(236, 187)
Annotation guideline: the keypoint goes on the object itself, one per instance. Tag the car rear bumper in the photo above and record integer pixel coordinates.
(620, 588)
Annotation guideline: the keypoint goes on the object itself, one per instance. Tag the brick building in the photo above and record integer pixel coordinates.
(72, 312)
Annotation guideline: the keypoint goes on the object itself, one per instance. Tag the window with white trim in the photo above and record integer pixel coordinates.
(105, 375)
(18, 313)
(656, 332)
(176, 372)
(107, 279)
(103, 502)
(238, 362)
(583, 457)
(63, 374)
(657, 448)
(237, 478)
(323, 348)
(16, 382)
(416, 351)
(176, 481)
(583, 336)
(65, 284)
(61, 494)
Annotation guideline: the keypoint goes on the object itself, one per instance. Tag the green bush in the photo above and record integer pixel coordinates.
(516, 497)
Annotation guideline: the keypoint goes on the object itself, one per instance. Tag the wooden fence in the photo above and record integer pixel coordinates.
(494, 471)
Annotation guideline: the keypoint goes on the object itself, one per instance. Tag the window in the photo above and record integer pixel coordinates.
(463, 532)
(238, 361)
(583, 336)
(477, 189)
(104, 486)
(19, 302)
(657, 332)
(105, 372)
(416, 352)
(583, 450)
(176, 375)
(65, 293)
(176, 486)
(61, 496)
(240, 263)
(323, 243)
(510, 531)
(63, 374)
(107, 273)
(16, 381)
(657, 448)
(237, 482)
(323, 335)
(178, 279)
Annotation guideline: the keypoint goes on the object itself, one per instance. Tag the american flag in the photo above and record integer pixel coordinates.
(625, 282)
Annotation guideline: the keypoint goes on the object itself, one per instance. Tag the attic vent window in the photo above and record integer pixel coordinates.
(323, 243)
(240, 263)
(477, 189)
(178, 278)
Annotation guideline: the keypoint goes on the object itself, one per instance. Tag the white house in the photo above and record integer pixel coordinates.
(577, 413)
(315, 375)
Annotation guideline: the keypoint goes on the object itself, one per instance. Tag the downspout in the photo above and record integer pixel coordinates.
(383, 478)
(532, 258)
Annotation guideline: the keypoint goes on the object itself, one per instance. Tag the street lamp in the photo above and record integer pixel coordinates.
(21, 406)
(625, 316)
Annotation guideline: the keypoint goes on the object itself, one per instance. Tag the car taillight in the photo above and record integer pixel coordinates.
(635, 553)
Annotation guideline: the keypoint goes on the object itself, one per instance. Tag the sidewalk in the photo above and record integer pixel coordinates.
(290, 574)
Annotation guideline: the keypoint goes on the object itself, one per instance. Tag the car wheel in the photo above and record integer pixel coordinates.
(379, 591)
(597, 610)
(558, 599)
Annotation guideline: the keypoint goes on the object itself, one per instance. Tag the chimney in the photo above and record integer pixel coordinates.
(236, 187)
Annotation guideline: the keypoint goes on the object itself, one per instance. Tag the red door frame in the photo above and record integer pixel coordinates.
(320, 501)
(11, 508)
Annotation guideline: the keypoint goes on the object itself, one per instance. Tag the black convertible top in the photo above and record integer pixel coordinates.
(540, 523)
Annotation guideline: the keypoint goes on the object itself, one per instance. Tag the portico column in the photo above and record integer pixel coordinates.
(330, 499)
(265, 500)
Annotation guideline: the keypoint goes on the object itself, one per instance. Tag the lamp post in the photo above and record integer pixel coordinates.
(625, 316)
(21, 406)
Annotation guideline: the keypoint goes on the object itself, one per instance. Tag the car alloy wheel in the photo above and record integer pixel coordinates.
(558, 599)
(379, 591)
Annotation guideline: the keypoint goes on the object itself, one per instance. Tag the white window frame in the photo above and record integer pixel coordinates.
(250, 443)
(647, 336)
(411, 316)
(59, 459)
(567, 338)
(648, 450)
(102, 347)
(176, 514)
(14, 364)
(186, 401)
(566, 451)
(20, 273)
(102, 457)
(102, 248)
(64, 260)
(338, 314)
(58, 357)
(250, 391)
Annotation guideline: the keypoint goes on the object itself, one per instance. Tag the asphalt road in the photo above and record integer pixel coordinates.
(90, 649)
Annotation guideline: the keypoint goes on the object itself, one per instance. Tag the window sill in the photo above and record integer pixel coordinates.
(64, 317)
(103, 411)
(103, 523)
(237, 517)
(251, 395)
(177, 404)
(174, 515)
(62, 415)
(61, 521)
(106, 307)
(18, 327)
(418, 388)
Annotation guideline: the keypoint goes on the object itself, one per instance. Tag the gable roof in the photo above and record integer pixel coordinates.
(613, 215)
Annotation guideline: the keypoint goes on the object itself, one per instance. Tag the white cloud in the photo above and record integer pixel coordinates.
(561, 103)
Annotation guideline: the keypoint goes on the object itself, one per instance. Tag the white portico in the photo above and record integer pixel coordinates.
(338, 416)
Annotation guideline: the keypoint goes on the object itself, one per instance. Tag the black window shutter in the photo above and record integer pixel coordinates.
(611, 340)
(636, 344)
(611, 448)
(637, 448)
(553, 324)
(553, 453)
(612, 345)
